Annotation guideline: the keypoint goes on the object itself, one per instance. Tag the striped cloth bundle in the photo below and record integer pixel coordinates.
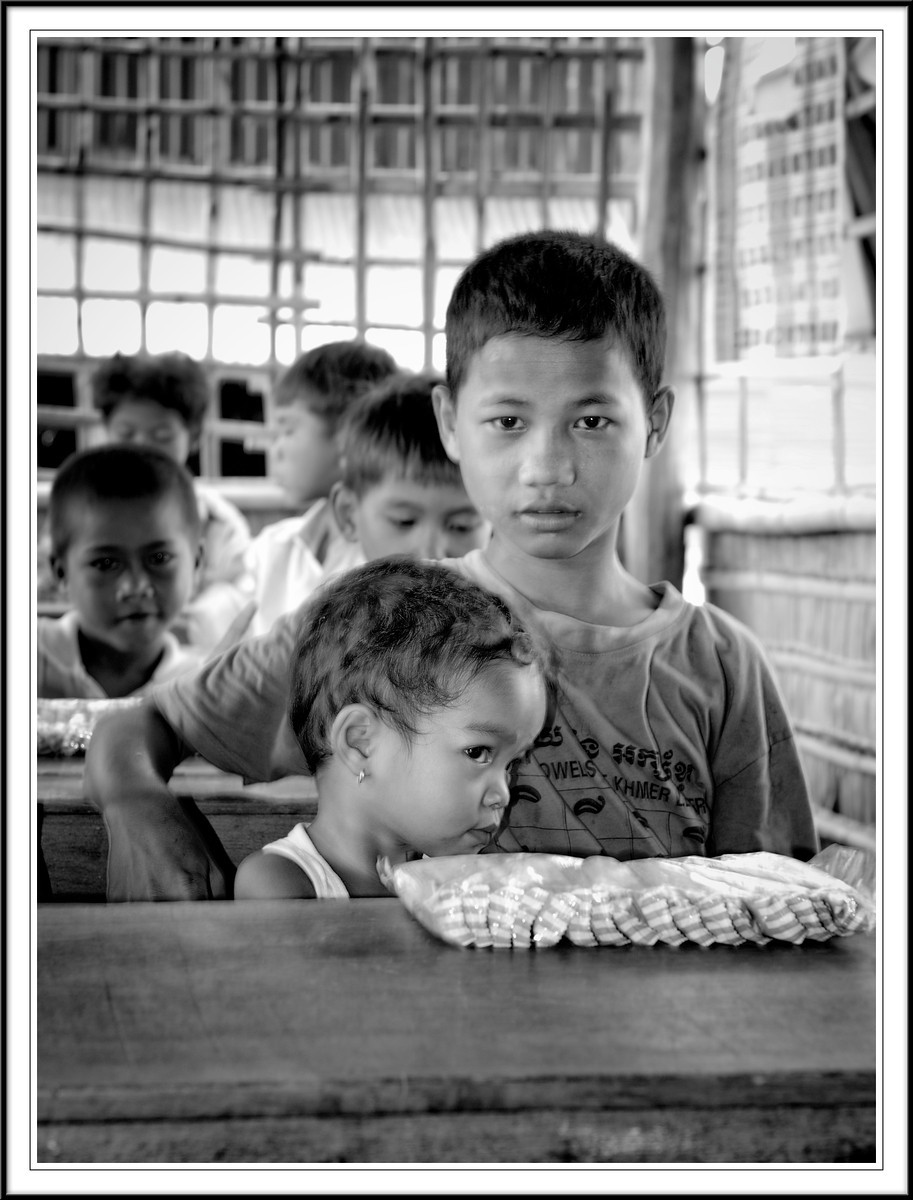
(523, 901)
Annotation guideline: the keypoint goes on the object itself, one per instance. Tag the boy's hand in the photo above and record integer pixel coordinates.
(159, 847)
(161, 850)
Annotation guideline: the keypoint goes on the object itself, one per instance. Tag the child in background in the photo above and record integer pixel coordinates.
(669, 736)
(161, 401)
(125, 542)
(399, 492)
(412, 694)
(289, 558)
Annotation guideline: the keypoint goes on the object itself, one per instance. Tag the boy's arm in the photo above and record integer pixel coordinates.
(158, 848)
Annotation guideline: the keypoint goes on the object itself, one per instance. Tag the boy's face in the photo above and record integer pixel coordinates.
(449, 786)
(401, 516)
(303, 456)
(139, 422)
(550, 436)
(129, 570)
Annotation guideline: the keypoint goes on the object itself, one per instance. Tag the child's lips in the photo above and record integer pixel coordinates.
(549, 518)
(484, 835)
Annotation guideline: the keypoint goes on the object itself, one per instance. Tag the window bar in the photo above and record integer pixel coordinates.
(220, 143)
(302, 66)
(547, 137)
(429, 181)
(838, 423)
(364, 79)
(743, 431)
(483, 171)
(148, 132)
(213, 84)
(85, 84)
(279, 62)
(605, 138)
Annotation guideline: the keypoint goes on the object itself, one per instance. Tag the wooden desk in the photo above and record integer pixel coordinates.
(73, 840)
(288, 1031)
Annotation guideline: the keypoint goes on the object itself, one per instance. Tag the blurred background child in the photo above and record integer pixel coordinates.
(161, 401)
(413, 692)
(125, 543)
(399, 492)
(288, 558)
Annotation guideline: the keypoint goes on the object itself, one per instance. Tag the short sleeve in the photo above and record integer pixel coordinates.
(761, 799)
(232, 711)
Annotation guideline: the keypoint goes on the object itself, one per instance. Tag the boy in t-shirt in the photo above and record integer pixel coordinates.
(125, 543)
(289, 558)
(669, 736)
(161, 400)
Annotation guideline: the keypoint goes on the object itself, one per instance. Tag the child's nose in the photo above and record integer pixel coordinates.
(497, 794)
(432, 543)
(134, 582)
(547, 461)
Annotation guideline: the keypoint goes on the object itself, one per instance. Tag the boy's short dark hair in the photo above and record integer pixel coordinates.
(175, 381)
(109, 474)
(392, 430)
(404, 636)
(556, 283)
(328, 378)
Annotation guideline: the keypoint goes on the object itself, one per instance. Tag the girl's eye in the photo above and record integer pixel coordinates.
(593, 421)
(480, 754)
(161, 558)
(507, 423)
(104, 564)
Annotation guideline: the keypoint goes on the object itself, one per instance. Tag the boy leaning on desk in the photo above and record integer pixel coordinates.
(669, 737)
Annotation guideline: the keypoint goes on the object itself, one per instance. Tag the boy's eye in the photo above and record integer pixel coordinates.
(480, 754)
(161, 558)
(593, 421)
(104, 564)
(507, 423)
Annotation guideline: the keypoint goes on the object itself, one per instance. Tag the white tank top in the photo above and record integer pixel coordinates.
(301, 850)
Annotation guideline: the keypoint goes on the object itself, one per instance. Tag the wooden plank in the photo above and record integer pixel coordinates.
(673, 1135)
(73, 845)
(283, 1010)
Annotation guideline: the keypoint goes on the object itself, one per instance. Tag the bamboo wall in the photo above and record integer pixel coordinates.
(802, 576)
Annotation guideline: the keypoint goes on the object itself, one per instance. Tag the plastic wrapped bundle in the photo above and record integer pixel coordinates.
(65, 727)
(523, 901)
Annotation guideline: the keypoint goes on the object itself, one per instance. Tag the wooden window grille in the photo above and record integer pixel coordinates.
(243, 199)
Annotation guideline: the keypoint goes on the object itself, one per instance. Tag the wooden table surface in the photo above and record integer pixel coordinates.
(284, 1031)
(73, 840)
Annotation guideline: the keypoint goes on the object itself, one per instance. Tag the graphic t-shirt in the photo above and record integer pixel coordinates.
(668, 738)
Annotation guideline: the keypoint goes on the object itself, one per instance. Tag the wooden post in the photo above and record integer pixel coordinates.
(652, 536)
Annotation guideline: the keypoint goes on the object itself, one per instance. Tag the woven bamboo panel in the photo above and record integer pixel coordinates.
(810, 597)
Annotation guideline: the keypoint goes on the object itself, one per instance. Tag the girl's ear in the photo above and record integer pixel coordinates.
(344, 505)
(353, 736)
(445, 413)
(659, 415)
